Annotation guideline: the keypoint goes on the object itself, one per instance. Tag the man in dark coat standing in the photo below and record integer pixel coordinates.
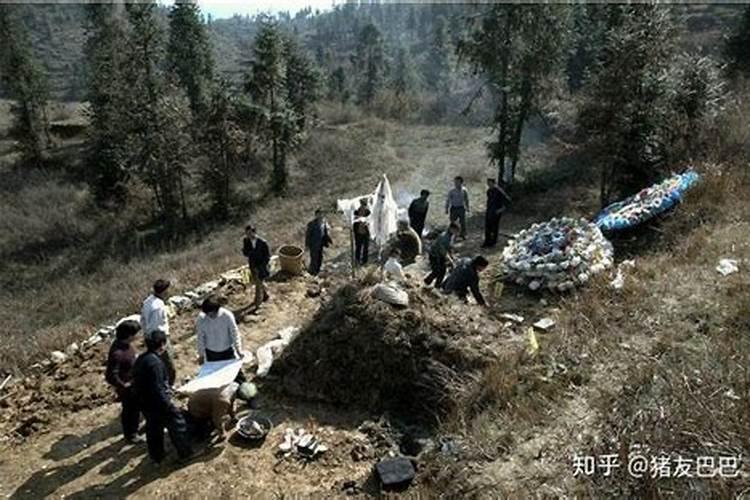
(497, 201)
(151, 385)
(418, 212)
(258, 256)
(317, 237)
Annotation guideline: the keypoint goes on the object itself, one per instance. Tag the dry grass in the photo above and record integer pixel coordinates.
(662, 362)
(55, 297)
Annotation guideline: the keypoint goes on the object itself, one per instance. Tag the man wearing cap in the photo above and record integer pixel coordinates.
(154, 318)
(215, 407)
(258, 256)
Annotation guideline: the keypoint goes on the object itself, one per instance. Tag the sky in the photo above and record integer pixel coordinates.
(220, 9)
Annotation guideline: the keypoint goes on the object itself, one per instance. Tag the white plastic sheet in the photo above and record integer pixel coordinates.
(214, 374)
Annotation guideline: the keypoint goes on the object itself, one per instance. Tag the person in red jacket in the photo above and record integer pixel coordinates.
(119, 374)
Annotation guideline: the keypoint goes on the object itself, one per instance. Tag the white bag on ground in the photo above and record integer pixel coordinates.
(390, 294)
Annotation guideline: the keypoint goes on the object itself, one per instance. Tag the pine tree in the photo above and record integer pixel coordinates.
(515, 47)
(154, 138)
(266, 84)
(405, 79)
(27, 86)
(223, 142)
(628, 109)
(338, 86)
(302, 83)
(283, 84)
(370, 62)
(106, 168)
(437, 65)
(189, 52)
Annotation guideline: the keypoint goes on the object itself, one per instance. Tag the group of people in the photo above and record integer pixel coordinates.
(144, 383)
(457, 207)
(406, 244)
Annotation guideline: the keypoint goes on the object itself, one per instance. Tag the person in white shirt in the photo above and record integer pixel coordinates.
(392, 269)
(154, 317)
(217, 333)
(457, 204)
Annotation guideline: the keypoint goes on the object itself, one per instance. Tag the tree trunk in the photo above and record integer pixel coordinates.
(521, 119)
(182, 196)
(503, 128)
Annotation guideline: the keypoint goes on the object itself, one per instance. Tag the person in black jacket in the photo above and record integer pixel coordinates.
(464, 278)
(151, 385)
(317, 237)
(497, 201)
(119, 375)
(418, 212)
(258, 256)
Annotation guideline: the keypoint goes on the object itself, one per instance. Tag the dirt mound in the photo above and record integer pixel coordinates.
(41, 398)
(363, 352)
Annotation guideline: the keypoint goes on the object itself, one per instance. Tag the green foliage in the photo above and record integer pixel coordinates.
(630, 105)
(158, 136)
(282, 84)
(590, 23)
(437, 68)
(303, 83)
(189, 53)
(369, 63)
(515, 47)
(27, 86)
(106, 170)
(223, 140)
(338, 86)
(737, 48)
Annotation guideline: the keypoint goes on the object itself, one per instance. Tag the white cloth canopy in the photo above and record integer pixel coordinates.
(384, 218)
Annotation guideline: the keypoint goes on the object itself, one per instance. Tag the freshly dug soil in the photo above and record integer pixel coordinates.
(363, 352)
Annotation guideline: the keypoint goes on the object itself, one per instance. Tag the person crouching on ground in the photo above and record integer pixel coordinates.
(213, 409)
(119, 374)
(464, 278)
(258, 256)
(151, 384)
(407, 241)
(441, 254)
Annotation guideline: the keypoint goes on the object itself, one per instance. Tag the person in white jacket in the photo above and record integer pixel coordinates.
(217, 333)
(154, 318)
